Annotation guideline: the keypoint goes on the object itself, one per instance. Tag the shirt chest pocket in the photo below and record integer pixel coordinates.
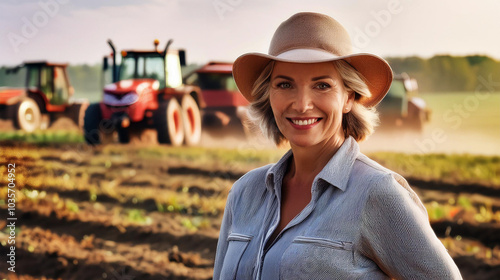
(317, 258)
(237, 244)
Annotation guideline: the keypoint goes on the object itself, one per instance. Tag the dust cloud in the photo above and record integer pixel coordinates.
(432, 141)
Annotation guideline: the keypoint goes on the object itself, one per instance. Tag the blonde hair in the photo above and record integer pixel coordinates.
(359, 123)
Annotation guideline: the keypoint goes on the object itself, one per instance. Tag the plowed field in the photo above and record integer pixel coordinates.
(125, 212)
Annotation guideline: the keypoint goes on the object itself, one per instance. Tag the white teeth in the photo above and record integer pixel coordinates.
(304, 122)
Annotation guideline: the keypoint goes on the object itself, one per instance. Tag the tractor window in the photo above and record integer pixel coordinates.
(397, 89)
(141, 65)
(230, 83)
(154, 70)
(34, 75)
(394, 103)
(174, 74)
(46, 82)
(12, 78)
(214, 81)
(127, 69)
(61, 94)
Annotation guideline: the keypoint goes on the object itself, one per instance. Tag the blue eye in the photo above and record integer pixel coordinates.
(323, 86)
(284, 85)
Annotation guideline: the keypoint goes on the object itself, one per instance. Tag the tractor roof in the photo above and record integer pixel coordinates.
(216, 67)
(43, 63)
(144, 52)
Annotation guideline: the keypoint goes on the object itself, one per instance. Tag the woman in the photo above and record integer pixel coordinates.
(324, 211)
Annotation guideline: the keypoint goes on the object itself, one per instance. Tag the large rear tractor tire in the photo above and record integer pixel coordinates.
(168, 123)
(191, 118)
(91, 122)
(416, 118)
(416, 122)
(27, 115)
(76, 112)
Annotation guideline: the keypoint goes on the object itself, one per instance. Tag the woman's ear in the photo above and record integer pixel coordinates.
(349, 101)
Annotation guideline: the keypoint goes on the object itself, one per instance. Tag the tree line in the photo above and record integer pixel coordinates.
(446, 73)
(440, 73)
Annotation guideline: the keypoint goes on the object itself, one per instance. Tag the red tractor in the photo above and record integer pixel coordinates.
(147, 91)
(225, 105)
(44, 99)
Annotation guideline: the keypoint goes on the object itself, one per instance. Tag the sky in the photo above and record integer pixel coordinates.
(76, 32)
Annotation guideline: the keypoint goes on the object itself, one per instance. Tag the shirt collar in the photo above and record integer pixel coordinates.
(276, 173)
(336, 172)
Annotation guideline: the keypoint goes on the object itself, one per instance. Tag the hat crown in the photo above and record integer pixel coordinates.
(311, 31)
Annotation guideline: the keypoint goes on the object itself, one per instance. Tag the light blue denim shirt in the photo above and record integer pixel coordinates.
(363, 222)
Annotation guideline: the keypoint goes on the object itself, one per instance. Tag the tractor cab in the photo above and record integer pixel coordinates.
(395, 103)
(217, 84)
(162, 66)
(224, 103)
(401, 107)
(44, 99)
(151, 65)
(49, 81)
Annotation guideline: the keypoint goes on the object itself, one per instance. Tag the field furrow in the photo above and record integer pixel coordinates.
(154, 213)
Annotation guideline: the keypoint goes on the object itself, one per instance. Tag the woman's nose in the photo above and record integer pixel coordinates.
(302, 101)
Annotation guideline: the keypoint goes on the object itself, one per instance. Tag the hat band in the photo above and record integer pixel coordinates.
(306, 55)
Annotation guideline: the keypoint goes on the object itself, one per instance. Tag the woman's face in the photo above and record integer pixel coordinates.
(308, 101)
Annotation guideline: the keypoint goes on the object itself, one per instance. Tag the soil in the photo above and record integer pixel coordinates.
(89, 214)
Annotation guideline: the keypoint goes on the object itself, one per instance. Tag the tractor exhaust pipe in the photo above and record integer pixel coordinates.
(166, 47)
(165, 57)
(114, 72)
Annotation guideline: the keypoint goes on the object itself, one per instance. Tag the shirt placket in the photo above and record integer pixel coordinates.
(271, 218)
(295, 221)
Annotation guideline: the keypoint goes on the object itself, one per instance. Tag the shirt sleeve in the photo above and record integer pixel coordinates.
(396, 234)
(224, 233)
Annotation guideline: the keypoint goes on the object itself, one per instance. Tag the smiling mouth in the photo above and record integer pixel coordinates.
(304, 122)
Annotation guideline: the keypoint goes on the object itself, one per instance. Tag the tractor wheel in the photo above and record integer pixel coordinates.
(416, 118)
(416, 121)
(27, 115)
(123, 135)
(76, 113)
(168, 123)
(91, 121)
(191, 118)
(45, 121)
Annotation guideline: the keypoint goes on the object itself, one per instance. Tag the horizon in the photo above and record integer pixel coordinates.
(97, 63)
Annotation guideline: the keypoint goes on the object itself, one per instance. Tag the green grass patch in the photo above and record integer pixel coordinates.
(443, 167)
(42, 137)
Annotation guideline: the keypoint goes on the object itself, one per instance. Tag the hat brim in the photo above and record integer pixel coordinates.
(375, 70)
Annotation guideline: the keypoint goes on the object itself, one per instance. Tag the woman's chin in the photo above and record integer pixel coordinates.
(302, 142)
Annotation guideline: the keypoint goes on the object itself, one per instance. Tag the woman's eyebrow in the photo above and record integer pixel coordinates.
(283, 77)
(321, 77)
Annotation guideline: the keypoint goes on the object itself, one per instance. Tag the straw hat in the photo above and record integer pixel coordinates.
(313, 38)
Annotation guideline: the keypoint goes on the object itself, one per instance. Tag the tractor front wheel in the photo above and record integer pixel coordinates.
(91, 121)
(168, 123)
(27, 115)
(191, 118)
